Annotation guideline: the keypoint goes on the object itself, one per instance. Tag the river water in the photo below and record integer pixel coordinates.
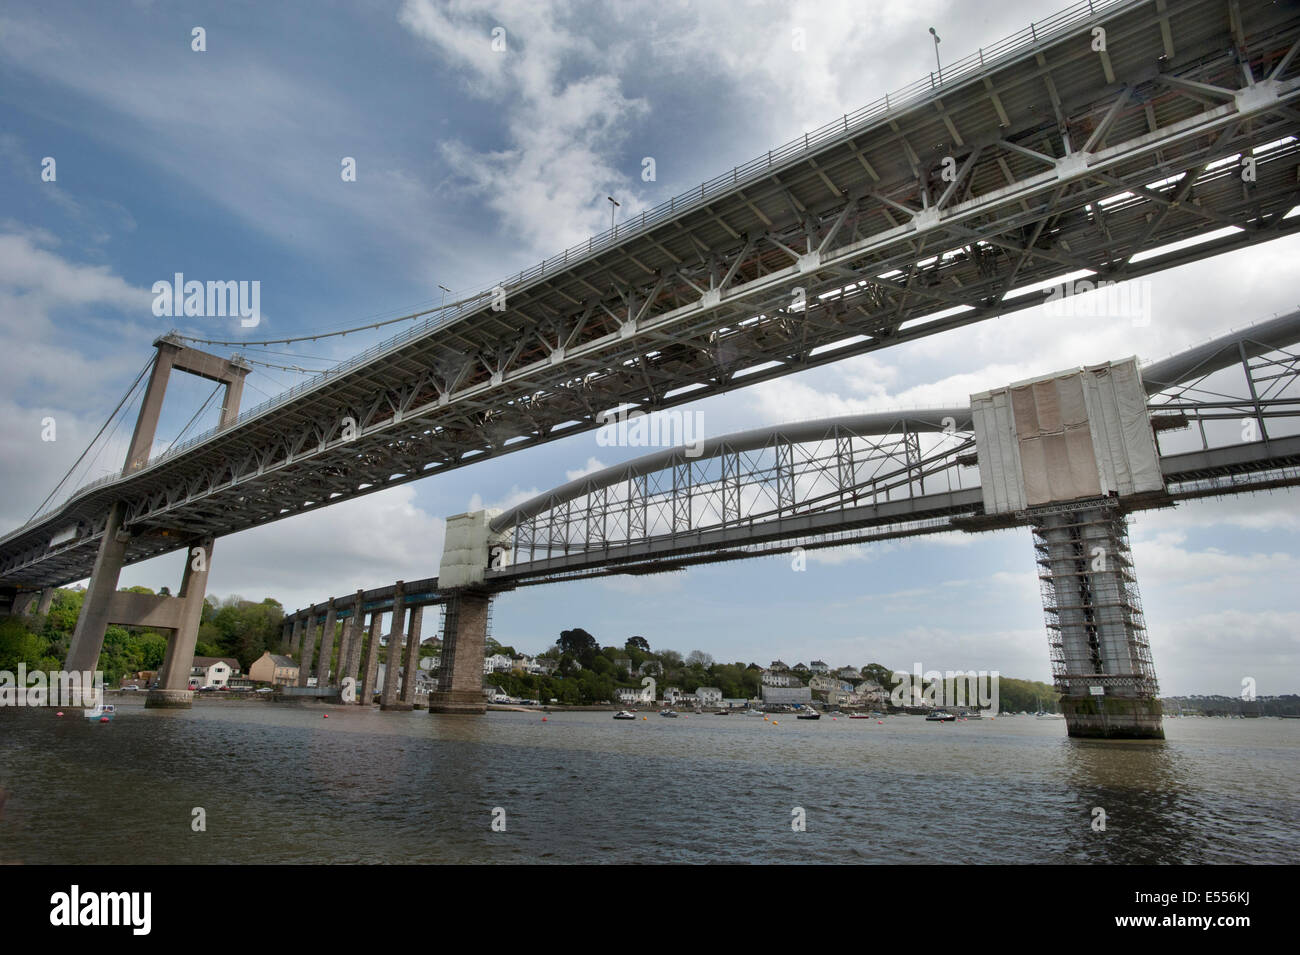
(281, 783)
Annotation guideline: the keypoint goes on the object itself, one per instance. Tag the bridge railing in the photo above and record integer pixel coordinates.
(1037, 33)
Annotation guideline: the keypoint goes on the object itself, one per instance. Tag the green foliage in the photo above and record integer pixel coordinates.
(230, 628)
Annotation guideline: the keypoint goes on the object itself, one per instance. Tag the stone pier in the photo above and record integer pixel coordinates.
(295, 640)
(393, 659)
(460, 678)
(326, 647)
(308, 649)
(371, 675)
(411, 661)
(357, 631)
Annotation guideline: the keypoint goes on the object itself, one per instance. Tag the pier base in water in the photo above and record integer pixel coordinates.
(1112, 717)
(169, 699)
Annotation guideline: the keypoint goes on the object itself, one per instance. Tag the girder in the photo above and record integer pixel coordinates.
(1063, 160)
(864, 477)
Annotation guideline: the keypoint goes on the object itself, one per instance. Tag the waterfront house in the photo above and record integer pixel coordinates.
(709, 695)
(275, 669)
(213, 671)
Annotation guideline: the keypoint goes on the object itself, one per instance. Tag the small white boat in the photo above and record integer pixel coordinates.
(624, 715)
(940, 716)
(670, 713)
(103, 714)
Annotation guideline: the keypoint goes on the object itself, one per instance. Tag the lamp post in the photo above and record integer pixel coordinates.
(937, 64)
(612, 207)
(445, 290)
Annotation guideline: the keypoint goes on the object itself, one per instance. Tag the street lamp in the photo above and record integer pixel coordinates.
(445, 290)
(936, 53)
(613, 205)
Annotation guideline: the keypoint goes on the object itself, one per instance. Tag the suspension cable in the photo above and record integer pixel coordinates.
(346, 331)
(147, 365)
(202, 408)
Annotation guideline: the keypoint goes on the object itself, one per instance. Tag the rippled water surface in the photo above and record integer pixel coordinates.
(284, 784)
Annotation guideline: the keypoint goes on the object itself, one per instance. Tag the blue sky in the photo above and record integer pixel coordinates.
(473, 164)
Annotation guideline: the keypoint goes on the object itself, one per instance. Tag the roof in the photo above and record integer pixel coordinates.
(282, 661)
(209, 661)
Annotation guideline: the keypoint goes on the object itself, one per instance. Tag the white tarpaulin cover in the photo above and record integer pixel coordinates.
(1065, 437)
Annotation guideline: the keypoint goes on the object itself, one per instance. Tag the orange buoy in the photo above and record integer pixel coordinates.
(776, 722)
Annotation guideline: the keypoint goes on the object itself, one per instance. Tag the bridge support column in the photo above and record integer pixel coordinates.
(295, 639)
(173, 689)
(326, 647)
(286, 632)
(393, 659)
(345, 641)
(93, 621)
(460, 678)
(371, 675)
(308, 649)
(411, 663)
(1101, 660)
(356, 634)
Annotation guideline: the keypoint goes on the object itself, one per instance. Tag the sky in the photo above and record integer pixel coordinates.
(473, 163)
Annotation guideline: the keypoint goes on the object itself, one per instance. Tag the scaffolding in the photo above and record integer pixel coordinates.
(1096, 629)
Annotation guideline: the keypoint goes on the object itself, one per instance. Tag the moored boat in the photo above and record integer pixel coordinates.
(670, 713)
(624, 715)
(940, 716)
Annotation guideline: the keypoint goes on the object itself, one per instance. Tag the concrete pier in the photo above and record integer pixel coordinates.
(173, 688)
(93, 621)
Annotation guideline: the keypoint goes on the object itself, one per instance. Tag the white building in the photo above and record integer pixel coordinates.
(627, 694)
(497, 663)
(780, 678)
(213, 671)
(709, 695)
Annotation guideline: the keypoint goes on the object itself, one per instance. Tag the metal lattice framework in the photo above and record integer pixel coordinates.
(877, 476)
(759, 487)
(1096, 629)
(1064, 160)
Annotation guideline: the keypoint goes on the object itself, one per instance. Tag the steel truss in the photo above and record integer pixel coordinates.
(1065, 160)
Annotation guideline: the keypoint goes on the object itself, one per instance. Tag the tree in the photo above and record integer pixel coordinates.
(698, 658)
(577, 642)
(637, 643)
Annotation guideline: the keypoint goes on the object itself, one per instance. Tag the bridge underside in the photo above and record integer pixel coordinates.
(1065, 161)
